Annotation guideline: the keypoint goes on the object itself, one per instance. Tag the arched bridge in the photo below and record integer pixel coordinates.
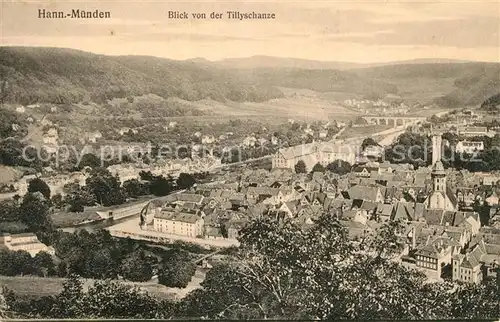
(393, 120)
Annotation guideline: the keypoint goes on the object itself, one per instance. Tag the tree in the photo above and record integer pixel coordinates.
(70, 302)
(15, 153)
(176, 270)
(57, 201)
(318, 167)
(7, 118)
(300, 167)
(185, 181)
(123, 301)
(44, 265)
(3, 306)
(89, 160)
(38, 185)
(9, 210)
(368, 142)
(161, 186)
(105, 187)
(340, 167)
(15, 263)
(452, 138)
(101, 264)
(34, 212)
(483, 209)
(410, 148)
(282, 271)
(78, 198)
(137, 267)
(134, 188)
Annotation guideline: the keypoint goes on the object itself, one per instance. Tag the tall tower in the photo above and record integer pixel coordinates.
(438, 177)
(436, 148)
(439, 198)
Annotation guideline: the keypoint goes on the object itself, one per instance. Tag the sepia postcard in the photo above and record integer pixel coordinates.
(249, 160)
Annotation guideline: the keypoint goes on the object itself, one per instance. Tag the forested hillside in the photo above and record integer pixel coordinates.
(492, 104)
(56, 75)
(458, 84)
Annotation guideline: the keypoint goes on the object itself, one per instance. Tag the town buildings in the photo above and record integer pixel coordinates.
(185, 223)
(313, 153)
(481, 260)
(473, 131)
(469, 147)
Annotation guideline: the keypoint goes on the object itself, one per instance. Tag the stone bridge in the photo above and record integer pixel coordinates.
(393, 120)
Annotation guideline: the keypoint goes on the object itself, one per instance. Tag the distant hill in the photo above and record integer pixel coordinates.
(261, 61)
(459, 84)
(55, 75)
(39, 74)
(281, 62)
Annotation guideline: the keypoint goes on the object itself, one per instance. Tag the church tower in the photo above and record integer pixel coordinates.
(436, 148)
(441, 197)
(438, 176)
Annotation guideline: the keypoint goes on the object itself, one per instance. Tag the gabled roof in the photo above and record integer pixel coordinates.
(262, 191)
(179, 216)
(188, 197)
(369, 206)
(403, 211)
(433, 216)
(363, 192)
(428, 251)
(384, 210)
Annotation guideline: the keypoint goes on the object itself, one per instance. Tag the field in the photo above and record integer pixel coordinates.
(46, 286)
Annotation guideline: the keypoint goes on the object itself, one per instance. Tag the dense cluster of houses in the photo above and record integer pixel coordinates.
(127, 171)
(441, 228)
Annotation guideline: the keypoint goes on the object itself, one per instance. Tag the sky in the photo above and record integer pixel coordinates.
(351, 31)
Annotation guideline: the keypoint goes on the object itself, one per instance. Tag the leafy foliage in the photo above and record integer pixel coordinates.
(105, 187)
(410, 148)
(185, 181)
(340, 167)
(491, 104)
(137, 267)
(102, 299)
(283, 271)
(16, 153)
(300, 167)
(368, 142)
(34, 212)
(38, 185)
(21, 263)
(176, 270)
(318, 167)
(135, 188)
(3, 306)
